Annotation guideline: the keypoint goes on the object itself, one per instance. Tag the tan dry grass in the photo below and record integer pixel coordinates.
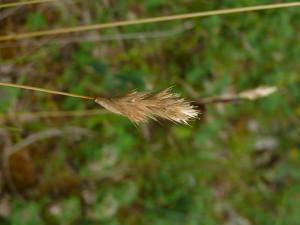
(141, 106)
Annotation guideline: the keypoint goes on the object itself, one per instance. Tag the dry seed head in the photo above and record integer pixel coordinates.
(259, 92)
(140, 106)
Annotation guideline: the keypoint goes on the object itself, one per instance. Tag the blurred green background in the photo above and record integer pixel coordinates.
(238, 165)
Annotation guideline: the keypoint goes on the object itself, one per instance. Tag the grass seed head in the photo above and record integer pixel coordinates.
(141, 106)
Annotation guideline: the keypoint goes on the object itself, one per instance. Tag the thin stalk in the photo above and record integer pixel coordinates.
(15, 4)
(45, 90)
(146, 20)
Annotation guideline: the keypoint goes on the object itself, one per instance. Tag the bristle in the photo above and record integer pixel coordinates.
(141, 106)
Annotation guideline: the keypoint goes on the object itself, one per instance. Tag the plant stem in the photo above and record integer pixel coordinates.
(45, 90)
(31, 2)
(146, 20)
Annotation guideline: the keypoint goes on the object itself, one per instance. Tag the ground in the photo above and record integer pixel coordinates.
(238, 164)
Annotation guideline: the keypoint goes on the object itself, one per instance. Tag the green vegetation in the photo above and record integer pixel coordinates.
(240, 164)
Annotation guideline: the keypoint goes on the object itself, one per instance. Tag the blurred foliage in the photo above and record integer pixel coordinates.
(238, 165)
